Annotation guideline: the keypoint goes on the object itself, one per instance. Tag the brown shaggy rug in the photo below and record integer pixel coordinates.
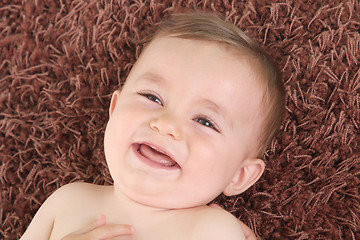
(60, 61)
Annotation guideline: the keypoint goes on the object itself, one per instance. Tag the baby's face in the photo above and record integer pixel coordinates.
(183, 124)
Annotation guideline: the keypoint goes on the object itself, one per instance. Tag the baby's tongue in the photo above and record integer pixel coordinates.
(156, 156)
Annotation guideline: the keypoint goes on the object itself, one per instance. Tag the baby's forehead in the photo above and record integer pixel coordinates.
(241, 56)
(245, 55)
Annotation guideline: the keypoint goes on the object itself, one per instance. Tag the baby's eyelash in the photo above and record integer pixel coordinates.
(207, 123)
(152, 97)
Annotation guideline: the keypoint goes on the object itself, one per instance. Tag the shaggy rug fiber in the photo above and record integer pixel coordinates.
(60, 60)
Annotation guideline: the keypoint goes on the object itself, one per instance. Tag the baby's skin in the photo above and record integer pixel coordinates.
(174, 141)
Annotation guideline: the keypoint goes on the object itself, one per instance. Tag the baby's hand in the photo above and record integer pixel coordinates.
(99, 230)
(249, 234)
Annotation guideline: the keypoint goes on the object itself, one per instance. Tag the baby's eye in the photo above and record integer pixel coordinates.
(207, 123)
(152, 97)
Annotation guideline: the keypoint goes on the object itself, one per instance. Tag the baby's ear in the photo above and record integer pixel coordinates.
(113, 101)
(250, 171)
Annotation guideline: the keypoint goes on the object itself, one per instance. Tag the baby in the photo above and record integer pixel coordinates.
(196, 113)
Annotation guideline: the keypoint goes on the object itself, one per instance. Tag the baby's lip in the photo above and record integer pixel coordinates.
(155, 155)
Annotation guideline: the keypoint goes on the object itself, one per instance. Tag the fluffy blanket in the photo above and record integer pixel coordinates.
(60, 60)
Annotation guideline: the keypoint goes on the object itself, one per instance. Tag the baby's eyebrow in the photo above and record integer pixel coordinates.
(153, 78)
(218, 110)
(150, 77)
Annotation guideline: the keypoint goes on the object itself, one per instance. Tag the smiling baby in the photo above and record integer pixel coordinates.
(194, 117)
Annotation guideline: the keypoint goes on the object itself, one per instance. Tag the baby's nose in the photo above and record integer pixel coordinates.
(167, 125)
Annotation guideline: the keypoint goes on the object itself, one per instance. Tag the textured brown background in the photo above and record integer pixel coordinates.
(60, 60)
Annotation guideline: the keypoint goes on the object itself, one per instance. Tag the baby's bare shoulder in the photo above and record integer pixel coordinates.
(78, 193)
(67, 196)
(213, 223)
(79, 189)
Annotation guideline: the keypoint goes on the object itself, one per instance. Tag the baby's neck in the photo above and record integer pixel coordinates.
(133, 207)
(149, 222)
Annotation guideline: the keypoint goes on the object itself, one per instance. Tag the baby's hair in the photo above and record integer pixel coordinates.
(210, 27)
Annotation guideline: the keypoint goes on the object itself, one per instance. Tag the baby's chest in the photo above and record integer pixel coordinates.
(145, 229)
(158, 228)
(163, 231)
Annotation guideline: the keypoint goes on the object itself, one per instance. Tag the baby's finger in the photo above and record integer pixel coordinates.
(101, 221)
(214, 205)
(110, 231)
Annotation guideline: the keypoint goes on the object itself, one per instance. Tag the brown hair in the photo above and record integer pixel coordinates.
(210, 27)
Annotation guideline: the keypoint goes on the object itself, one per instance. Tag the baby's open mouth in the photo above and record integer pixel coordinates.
(156, 156)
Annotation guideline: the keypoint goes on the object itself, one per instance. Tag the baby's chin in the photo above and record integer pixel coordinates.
(160, 200)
